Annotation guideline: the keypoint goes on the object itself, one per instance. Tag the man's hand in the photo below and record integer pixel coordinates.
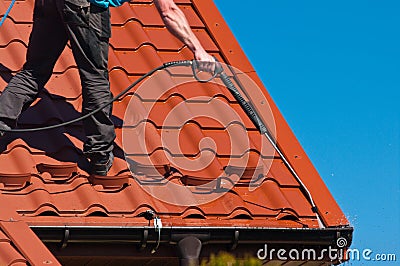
(205, 61)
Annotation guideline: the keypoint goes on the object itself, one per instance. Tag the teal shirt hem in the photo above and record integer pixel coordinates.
(108, 3)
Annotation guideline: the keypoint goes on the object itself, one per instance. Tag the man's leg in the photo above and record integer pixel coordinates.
(46, 42)
(89, 32)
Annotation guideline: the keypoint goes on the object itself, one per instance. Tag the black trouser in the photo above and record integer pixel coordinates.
(88, 30)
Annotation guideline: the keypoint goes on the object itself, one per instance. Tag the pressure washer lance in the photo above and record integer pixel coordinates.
(257, 121)
(218, 72)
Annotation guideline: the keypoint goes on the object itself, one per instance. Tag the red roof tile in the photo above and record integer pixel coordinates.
(18, 244)
(9, 255)
(45, 169)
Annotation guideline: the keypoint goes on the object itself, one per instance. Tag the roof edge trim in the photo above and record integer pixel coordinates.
(331, 213)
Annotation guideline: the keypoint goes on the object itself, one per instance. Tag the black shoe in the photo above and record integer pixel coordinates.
(5, 127)
(102, 166)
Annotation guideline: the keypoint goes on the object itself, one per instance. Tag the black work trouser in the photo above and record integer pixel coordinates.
(88, 29)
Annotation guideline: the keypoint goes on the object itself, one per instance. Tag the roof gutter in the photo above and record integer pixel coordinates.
(234, 236)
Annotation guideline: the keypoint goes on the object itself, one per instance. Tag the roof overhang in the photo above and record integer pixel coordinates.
(138, 241)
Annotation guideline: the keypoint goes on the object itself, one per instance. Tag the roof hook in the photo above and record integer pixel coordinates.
(157, 228)
(151, 215)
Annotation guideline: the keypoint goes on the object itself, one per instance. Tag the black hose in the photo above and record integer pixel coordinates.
(255, 118)
(151, 72)
(247, 107)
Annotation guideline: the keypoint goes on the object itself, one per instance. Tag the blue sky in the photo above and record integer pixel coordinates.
(333, 69)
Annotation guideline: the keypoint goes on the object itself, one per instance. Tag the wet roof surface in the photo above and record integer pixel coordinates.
(191, 166)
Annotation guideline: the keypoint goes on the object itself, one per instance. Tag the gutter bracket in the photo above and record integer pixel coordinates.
(143, 243)
(64, 242)
(235, 240)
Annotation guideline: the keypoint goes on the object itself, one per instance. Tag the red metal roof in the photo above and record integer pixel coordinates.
(18, 244)
(10, 256)
(41, 173)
